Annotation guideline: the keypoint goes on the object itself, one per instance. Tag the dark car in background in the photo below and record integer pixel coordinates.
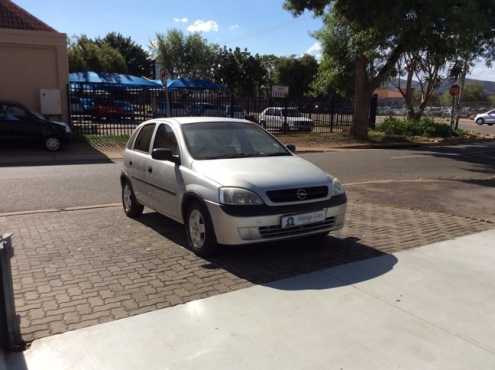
(19, 124)
(112, 109)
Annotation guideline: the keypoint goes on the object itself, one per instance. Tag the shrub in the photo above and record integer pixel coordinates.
(423, 127)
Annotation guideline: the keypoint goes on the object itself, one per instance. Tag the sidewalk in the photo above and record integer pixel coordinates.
(425, 308)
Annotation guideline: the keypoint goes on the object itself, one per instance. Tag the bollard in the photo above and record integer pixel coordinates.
(10, 335)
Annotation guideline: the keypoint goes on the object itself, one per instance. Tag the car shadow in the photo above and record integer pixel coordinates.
(273, 261)
(33, 154)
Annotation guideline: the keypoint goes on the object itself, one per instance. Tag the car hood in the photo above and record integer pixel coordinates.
(62, 124)
(262, 173)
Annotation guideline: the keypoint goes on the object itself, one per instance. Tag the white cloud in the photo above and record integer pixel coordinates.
(234, 27)
(315, 50)
(481, 72)
(200, 25)
(181, 20)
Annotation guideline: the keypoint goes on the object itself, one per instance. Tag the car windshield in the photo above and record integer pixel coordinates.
(291, 112)
(216, 140)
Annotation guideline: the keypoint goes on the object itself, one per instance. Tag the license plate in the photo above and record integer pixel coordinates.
(302, 219)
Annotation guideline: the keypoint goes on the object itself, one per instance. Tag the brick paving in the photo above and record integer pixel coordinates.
(76, 269)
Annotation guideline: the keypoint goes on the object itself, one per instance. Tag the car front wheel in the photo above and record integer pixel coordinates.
(132, 207)
(480, 121)
(199, 231)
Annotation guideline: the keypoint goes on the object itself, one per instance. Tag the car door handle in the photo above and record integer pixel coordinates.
(150, 170)
(130, 163)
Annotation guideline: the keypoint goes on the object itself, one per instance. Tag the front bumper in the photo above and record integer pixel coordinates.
(248, 227)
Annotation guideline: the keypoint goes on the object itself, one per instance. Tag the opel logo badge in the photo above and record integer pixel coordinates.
(301, 194)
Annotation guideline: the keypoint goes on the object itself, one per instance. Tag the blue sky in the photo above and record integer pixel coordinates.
(262, 26)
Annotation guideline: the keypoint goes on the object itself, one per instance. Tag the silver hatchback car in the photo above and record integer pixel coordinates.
(228, 181)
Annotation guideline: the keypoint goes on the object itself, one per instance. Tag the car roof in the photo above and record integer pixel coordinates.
(11, 102)
(178, 121)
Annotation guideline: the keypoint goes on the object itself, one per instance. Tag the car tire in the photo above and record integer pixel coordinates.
(53, 143)
(132, 208)
(480, 121)
(200, 233)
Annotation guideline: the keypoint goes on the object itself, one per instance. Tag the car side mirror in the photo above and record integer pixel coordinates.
(164, 154)
(291, 147)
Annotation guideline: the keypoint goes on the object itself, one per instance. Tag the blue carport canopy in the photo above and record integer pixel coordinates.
(186, 84)
(123, 80)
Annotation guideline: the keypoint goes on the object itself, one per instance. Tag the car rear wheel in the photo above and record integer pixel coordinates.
(132, 207)
(199, 231)
(480, 121)
(53, 144)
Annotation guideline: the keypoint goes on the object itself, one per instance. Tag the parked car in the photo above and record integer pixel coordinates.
(212, 110)
(18, 123)
(112, 109)
(275, 117)
(81, 105)
(228, 181)
(487, 118)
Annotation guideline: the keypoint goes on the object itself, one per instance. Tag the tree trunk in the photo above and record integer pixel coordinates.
(362, 97)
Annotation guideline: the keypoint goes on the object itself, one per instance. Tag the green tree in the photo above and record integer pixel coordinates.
(241, 72)
(184, 56)
(491, 100)
(376, 33)
(474, 92)
(137, 59)
(297, 73)
(86, 54)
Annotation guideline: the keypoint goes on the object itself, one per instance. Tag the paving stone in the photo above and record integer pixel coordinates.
(75, 269)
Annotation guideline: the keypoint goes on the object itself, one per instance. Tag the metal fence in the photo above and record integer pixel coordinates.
(110, 110)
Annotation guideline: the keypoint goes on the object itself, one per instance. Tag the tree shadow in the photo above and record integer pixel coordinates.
(14, 153)
(272, 261)
(482, 155)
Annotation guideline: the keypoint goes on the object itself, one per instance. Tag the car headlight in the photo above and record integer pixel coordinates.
(337, 187)
(239, 197)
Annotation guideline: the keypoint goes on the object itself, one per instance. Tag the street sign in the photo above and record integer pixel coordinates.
(280, 91)
(454, 90)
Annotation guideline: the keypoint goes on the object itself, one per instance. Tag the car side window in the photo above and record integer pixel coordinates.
(165, 138)
(143, 139)
(130, 142)
(14, 113)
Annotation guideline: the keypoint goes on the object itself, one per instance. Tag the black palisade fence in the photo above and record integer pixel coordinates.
(100, 109)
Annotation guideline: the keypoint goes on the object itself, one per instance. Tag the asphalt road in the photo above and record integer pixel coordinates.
(62, 186)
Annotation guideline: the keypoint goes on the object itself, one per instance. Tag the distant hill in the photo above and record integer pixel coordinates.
(488, 86)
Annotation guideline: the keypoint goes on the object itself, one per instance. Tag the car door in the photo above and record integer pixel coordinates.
(138, 162)
(164, 176)
(491, 117)
(18, 122)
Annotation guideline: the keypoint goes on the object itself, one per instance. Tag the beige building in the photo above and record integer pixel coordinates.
(33, 62)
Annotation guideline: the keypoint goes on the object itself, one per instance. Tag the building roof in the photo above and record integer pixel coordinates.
(14, 17)
(388, 94)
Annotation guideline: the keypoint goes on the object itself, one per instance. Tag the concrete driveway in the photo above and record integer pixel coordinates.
(425, 308)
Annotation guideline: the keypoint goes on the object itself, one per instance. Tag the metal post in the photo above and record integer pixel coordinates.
(285, 115)
(332, 112)
(10, 335)
(373, 107)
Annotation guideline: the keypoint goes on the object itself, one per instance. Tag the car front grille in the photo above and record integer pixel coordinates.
(277, 231)
(291, 195)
